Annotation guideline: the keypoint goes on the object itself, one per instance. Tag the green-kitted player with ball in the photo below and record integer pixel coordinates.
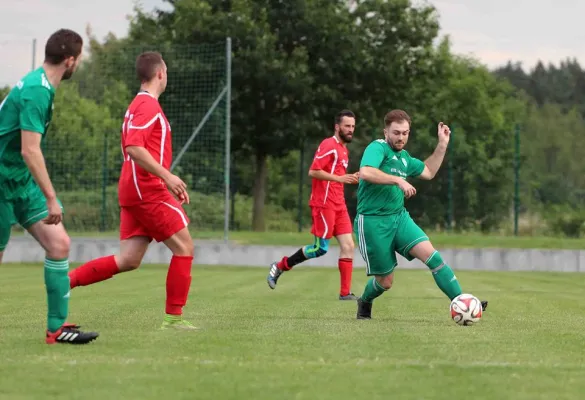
(382, 224)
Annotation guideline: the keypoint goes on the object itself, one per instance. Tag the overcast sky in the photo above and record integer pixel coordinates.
(492, 30)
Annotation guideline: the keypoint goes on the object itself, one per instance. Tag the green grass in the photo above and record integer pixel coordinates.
(298, 342)
(440, 240)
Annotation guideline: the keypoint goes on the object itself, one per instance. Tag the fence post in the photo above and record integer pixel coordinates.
(450, 180)
(104, 184)
(301, 181)
(516, 177)
(228, 116)
(34, 54)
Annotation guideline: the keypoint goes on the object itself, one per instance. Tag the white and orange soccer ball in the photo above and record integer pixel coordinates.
(466, 309)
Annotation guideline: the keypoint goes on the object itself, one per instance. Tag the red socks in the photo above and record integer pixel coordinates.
(345, 271)
(283, 264)
(93, 271)
(178, 284)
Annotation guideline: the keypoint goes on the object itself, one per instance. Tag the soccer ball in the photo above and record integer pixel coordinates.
(466, 309)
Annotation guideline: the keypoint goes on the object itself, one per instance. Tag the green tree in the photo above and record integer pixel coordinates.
(4, 92)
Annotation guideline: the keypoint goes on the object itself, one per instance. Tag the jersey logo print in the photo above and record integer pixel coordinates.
(404, 162)
(395, 158)
(344, 163)
(45, 82)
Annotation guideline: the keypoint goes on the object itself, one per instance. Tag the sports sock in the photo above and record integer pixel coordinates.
(288, 262)
(178, 284)
(94, 271)
(372, 290)
(345, 270)
(57, 286)
(444, 276)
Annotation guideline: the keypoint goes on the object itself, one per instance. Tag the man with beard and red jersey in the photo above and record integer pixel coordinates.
(27, 195)
(150, 197)
(328, 209)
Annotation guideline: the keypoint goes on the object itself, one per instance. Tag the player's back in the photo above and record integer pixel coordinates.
(145, 125)
(28, 106)
(331, 157)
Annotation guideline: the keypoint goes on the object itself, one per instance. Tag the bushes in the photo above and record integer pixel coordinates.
(565, 221)
(85, 212)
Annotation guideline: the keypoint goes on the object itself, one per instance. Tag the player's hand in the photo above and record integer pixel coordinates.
(444, 133)
(184, 198)
(177, 187)
(407, 188)
(55, 213)
(349, 179)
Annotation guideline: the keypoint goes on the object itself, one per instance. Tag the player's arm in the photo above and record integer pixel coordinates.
(370, 170)
(433, 163)
(326, 176)
(139, 130)
(35, 161)
(323, 162)
(374, 175)
(33, 120)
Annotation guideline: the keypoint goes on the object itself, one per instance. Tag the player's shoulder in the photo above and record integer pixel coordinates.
(35, 82)
(145, 102)
(406, 154)
(35, 79)
(379, 144)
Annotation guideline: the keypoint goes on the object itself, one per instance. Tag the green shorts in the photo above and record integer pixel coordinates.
(381, 237)
(26, 209)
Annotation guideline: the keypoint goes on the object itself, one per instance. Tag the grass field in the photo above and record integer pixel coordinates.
(439, 239)
(299, 341)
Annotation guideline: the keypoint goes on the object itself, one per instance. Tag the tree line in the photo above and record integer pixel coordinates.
(296, 63)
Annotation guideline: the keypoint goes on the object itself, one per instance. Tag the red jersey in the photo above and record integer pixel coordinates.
(331, 157)
(145, 125)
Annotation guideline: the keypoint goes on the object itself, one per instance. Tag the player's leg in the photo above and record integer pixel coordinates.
(131, 253)
(322, 229)
(343, 233)
(30, 210)
(7, 219)
(134, 241)
(169, 224)
(375, 236)
(179, 278)
(411, 242)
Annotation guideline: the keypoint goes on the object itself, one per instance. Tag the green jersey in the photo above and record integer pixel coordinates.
(374, 199)
(29, 107)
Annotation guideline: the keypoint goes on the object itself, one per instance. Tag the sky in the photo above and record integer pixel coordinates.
(493, 31)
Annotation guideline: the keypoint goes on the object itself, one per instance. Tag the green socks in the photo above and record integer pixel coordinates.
(444, 276)
(372, 290)
(57, 284)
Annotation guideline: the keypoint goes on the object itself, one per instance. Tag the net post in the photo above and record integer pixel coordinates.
(228, 96)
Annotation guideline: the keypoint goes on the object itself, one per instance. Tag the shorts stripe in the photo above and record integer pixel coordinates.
(326, 227)
(179, 211)
(362, 242)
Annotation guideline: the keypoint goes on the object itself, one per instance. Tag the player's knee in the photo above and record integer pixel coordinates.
(347, 249)
(386, 281)
(318, 249)
(128, 263)
(59, 246)
(184, 248)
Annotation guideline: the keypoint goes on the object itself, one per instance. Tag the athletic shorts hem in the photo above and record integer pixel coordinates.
(405, 251)
(383, 273)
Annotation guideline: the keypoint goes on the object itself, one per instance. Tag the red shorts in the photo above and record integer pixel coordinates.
(328, 222)
(158, 221)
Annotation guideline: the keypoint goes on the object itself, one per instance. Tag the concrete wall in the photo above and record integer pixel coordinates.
(25, 249)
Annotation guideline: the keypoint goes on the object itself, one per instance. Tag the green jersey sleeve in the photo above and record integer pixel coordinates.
(373, 155)
(415, 167)
(35, 105)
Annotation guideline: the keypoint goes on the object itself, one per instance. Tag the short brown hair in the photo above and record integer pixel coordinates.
(61, 45)
(396, 116)
(147, 64)
(343, 113)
